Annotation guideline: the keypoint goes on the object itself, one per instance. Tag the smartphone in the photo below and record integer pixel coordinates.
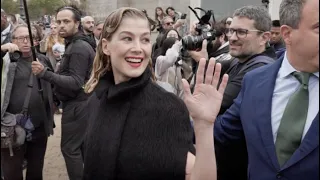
(183, 16)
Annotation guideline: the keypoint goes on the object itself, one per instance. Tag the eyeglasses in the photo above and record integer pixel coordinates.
(22, 38)
(169, 23)
(240, 33)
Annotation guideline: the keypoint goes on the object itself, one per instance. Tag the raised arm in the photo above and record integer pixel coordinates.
(204, 105)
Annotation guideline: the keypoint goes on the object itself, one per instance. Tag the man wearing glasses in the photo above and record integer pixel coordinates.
(248, 34)
(276, 114)
(40, 110)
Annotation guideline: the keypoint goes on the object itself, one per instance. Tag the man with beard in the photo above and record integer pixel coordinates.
(71, 76)
(6, 28)
(276, 114)
(97, 31)
(219, 49)
(248, 34)
(88, 27)
(276, 40)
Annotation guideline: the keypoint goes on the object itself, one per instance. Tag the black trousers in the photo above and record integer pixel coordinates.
(33, 151)
(73, 128)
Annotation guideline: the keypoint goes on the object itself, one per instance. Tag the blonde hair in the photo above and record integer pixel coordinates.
(51, 42)
(102, 62)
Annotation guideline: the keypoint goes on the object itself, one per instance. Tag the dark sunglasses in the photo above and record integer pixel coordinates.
(169, 23)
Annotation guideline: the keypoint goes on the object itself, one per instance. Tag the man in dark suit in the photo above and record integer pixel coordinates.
(277, 109)
(6, 28)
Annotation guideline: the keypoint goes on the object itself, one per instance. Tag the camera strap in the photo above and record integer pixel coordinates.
(27, 98)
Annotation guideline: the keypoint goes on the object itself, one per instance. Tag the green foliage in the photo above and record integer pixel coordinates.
(10, 6)
(38, 8)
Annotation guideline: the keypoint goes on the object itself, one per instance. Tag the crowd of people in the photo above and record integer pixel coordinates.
(236, 98)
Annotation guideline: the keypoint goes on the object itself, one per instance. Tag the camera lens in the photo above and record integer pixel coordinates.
(192, 42)
(15, 56)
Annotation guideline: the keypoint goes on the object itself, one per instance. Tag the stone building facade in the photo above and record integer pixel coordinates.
(102, 8)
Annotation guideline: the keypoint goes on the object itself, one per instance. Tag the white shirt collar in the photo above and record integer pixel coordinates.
(6, 31)
(286, 68)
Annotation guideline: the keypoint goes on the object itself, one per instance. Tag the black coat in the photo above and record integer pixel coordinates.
(136, 130)
(74, 70)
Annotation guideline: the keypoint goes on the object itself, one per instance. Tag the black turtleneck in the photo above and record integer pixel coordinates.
(143, 131)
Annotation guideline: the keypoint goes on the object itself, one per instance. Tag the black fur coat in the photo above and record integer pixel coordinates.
(137, 131)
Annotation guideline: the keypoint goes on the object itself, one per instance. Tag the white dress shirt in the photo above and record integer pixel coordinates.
(286, 85)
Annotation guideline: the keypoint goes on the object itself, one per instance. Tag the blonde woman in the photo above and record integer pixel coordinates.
(136, 129)
(48, 42)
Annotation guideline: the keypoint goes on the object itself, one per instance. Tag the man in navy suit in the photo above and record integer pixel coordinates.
(277, 110)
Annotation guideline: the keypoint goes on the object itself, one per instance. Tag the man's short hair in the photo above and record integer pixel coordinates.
(20, 26)
(83, 19)
(275, 23)
(290, 12)
(77, 14)
(260, 16)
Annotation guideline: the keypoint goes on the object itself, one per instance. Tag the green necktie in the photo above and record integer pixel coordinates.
(293, 120)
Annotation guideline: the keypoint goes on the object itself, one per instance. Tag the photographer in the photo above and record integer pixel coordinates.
(167, 24)
(167, 69)
(218, 48)
(40, 111)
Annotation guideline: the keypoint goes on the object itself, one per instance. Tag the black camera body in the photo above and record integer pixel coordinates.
(204, 30)
(15, 56)
(195, 42)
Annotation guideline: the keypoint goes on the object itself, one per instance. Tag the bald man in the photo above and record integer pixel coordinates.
(88, 27)
(88, 24)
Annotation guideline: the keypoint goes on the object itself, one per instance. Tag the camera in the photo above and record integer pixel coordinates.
(195, 42)
(203, 29)
(15, 56)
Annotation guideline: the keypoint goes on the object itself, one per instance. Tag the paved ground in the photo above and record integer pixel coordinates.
(54, 166)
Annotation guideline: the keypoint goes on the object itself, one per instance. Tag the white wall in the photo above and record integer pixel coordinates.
(274, 9)
(193, 4)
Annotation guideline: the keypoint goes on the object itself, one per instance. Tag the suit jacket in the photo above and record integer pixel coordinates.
(8, 37)
(249, 118)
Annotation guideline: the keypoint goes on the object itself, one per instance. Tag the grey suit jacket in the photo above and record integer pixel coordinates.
(8, 37)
